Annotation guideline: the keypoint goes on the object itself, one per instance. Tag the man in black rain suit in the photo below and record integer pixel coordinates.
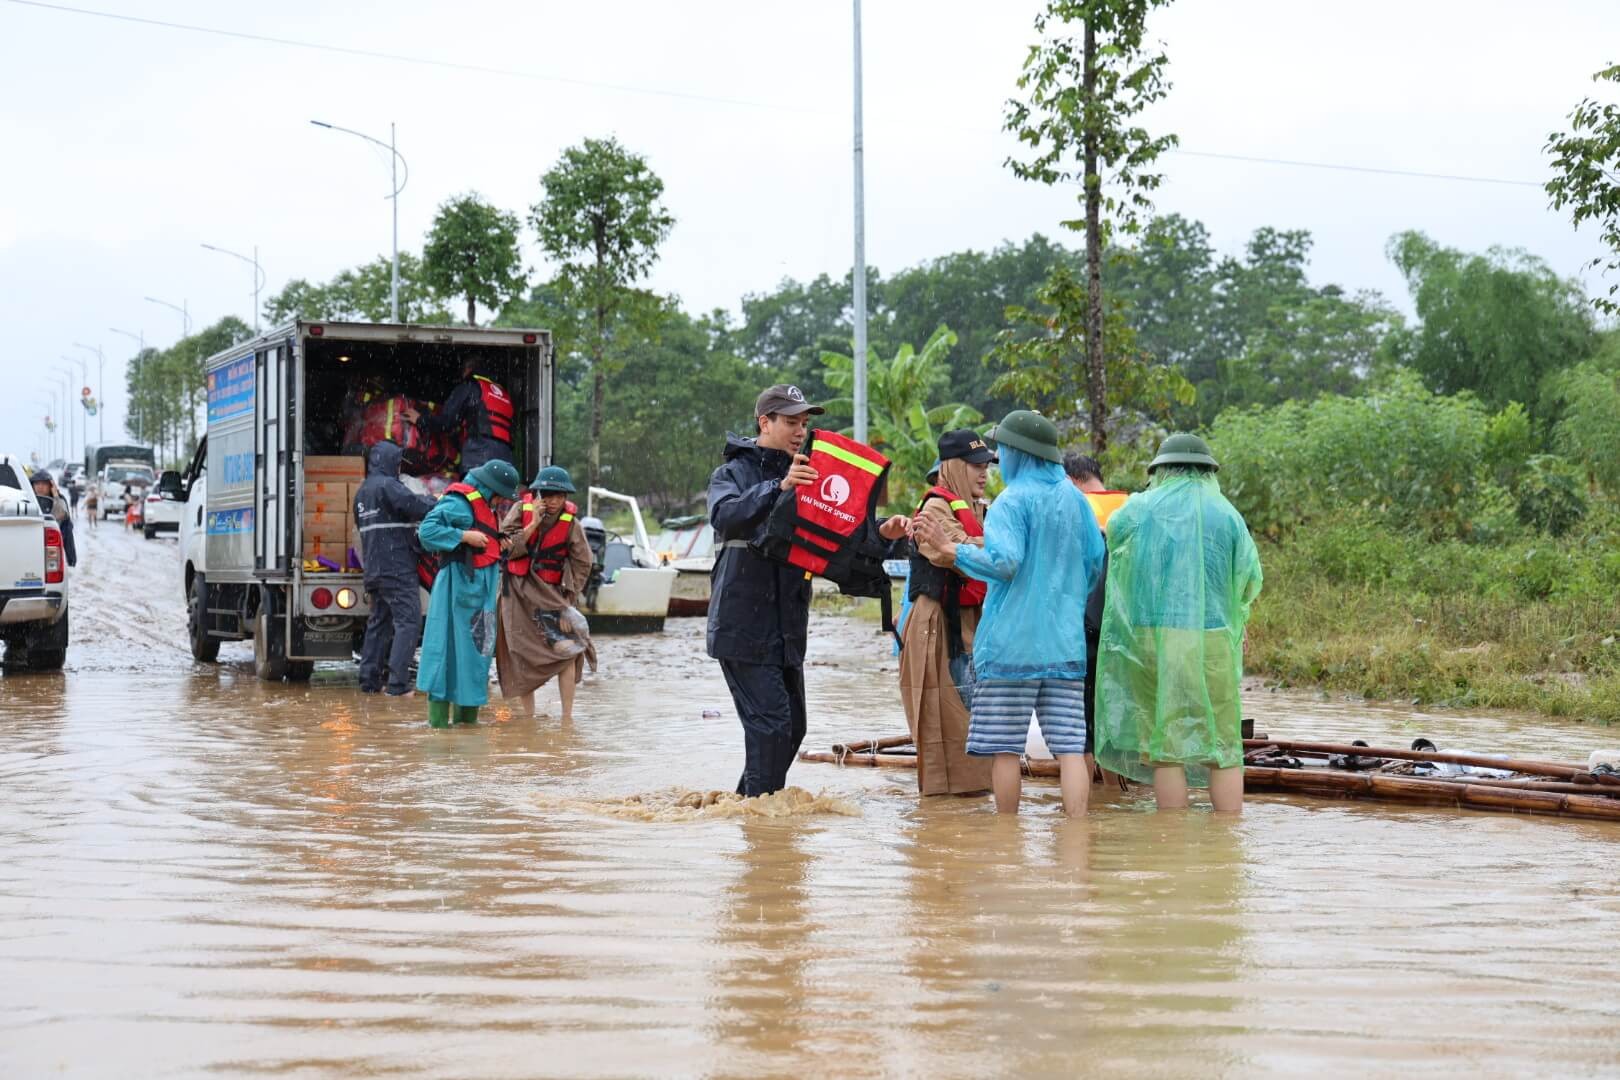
(759, 610)
(480, 413)
(386, 513)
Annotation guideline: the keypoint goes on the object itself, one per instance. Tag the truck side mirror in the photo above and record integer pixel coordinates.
(170, 484)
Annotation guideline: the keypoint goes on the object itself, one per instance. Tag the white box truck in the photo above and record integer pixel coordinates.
(279, 399)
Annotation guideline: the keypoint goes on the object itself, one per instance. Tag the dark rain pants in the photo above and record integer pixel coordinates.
(770, 704)
(391, 636)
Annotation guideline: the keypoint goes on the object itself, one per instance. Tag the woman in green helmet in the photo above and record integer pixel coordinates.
(1182, 574)
(541, 632)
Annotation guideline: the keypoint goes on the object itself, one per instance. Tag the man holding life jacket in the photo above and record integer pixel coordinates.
(759, 608)
(480, 412)
(541, 632)
(387, 513)
(460, 636)
(936, 656)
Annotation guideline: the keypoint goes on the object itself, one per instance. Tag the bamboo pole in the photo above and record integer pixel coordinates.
(1540, 768)
(864, 746)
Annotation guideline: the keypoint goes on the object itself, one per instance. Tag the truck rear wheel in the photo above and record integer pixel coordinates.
(269, 648)
(45, 649)
(203, 647)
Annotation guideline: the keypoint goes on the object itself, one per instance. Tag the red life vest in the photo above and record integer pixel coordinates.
(484, 521)
(1104, 503)
(971, 592)
(496, 418)
(817, 528)
(549, 554)
(383, 419)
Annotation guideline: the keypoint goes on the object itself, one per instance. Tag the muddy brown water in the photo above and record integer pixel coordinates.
(201, 875)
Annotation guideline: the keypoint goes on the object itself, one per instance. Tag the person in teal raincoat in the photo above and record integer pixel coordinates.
(458, 641)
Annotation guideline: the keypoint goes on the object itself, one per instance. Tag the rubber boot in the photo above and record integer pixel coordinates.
(466, 714)
(438, 713)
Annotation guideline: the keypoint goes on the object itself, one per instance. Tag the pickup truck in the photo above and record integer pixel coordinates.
(271, 484)
(33, 576)
(122, 481)
(164, 506)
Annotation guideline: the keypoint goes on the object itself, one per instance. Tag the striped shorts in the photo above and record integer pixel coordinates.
(999, 720)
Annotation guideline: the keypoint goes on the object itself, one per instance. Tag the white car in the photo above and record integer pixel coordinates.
(33, 575)
(163, 508)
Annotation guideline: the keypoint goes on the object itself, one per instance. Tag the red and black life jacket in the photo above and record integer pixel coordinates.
(827, 527)
(549, 553)
(484, 521)
(942, 584)
(495, 411)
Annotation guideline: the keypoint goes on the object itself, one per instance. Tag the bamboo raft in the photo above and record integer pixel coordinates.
(1350, 771)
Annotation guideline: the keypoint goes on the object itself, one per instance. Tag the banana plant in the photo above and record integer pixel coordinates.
(900, 421)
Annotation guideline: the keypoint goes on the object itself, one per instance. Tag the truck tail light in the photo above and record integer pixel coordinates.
(321, 598)
(55, 563)
(154, 497)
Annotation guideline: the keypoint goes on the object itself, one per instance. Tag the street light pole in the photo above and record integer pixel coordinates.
(101, 374)
(395, 160)
(140, 354)
(185, 316)
(859, 277)
(49, 401)
(66, 375)
(258, 276)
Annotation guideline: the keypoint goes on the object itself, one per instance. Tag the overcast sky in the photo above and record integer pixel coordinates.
(127, 145)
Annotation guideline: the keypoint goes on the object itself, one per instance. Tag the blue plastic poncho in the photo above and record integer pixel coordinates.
(1182, 574)
(458, 639)
(1042, 550)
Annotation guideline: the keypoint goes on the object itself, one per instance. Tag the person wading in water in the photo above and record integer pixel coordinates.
(936, 655)
(542, 634)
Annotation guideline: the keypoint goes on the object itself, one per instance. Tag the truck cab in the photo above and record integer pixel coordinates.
(268, 548)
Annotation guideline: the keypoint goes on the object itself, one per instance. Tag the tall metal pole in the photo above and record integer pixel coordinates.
(859, 280)
(101, 389)
(140, 352)
(393, 182)
(258, 277)
(65, 375)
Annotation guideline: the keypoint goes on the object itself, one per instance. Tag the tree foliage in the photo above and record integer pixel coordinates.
(472, 252)
(361, 295)
(1495, 324)
(1586, 163)
(166, 387)
(905, 417)
(1079, 116)
(601, 220)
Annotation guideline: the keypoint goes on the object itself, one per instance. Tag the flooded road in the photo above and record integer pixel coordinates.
(202, 875)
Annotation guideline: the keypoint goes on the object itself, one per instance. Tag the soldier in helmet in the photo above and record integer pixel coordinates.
(1182, 574)
(541, 632)
(459, 638)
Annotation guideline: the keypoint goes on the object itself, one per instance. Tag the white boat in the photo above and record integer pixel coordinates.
(630, 590)
(687, 545)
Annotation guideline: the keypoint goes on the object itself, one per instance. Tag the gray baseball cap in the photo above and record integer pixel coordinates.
(784, 400)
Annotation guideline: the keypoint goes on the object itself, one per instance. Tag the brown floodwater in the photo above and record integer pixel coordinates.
(202, 875)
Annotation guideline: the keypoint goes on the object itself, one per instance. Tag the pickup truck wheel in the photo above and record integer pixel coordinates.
(149, 533)
(203, 647)
(46, 649)
(269, 650)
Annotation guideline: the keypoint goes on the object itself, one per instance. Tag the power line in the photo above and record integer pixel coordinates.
(1356, 168)
(424, 61)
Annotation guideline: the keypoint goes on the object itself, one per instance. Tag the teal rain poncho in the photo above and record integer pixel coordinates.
(458, 639)
(1182, 573)
(1042, 551)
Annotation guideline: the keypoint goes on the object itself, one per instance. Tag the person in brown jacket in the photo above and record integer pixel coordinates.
(936, 654)
(540, 632)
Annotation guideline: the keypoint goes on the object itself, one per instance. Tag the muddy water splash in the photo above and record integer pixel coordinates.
(201, 875)
(677, 804)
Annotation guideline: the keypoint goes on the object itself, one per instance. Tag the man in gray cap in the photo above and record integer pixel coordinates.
(759, 609)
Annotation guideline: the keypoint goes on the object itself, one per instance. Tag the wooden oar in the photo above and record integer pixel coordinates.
(1537, 768)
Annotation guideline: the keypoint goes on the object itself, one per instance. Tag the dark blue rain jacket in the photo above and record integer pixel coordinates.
(759, 609)
(386, 513)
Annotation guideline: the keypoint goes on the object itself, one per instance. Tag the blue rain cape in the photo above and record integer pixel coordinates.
(458, 639)
(1182, 574)
(1042, 551)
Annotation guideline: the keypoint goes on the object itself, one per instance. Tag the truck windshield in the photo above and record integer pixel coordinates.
(123, 474)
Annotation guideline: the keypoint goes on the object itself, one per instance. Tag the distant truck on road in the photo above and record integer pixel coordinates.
(266, 493)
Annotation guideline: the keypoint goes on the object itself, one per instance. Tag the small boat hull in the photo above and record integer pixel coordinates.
(636, 601)
(690, 597)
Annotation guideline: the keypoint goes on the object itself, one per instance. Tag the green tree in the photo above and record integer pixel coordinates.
(361, 295)
(1495, 324)
(905, 421)
(472, 251)
(1586, 161)
(1084, 94)
(1588, 431)
(602, 219)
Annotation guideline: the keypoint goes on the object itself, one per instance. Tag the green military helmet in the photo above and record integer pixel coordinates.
(1030, 432)
(553, 479)
(499, 476)
(1184, 449)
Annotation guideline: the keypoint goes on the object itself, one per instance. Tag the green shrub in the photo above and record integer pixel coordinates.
(1549, 495)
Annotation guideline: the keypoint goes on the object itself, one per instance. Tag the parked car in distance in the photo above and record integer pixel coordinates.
(164, 506)
(119, 479)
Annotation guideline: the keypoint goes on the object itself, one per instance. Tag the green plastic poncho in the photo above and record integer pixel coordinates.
(1182, 574)
(458, 638)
